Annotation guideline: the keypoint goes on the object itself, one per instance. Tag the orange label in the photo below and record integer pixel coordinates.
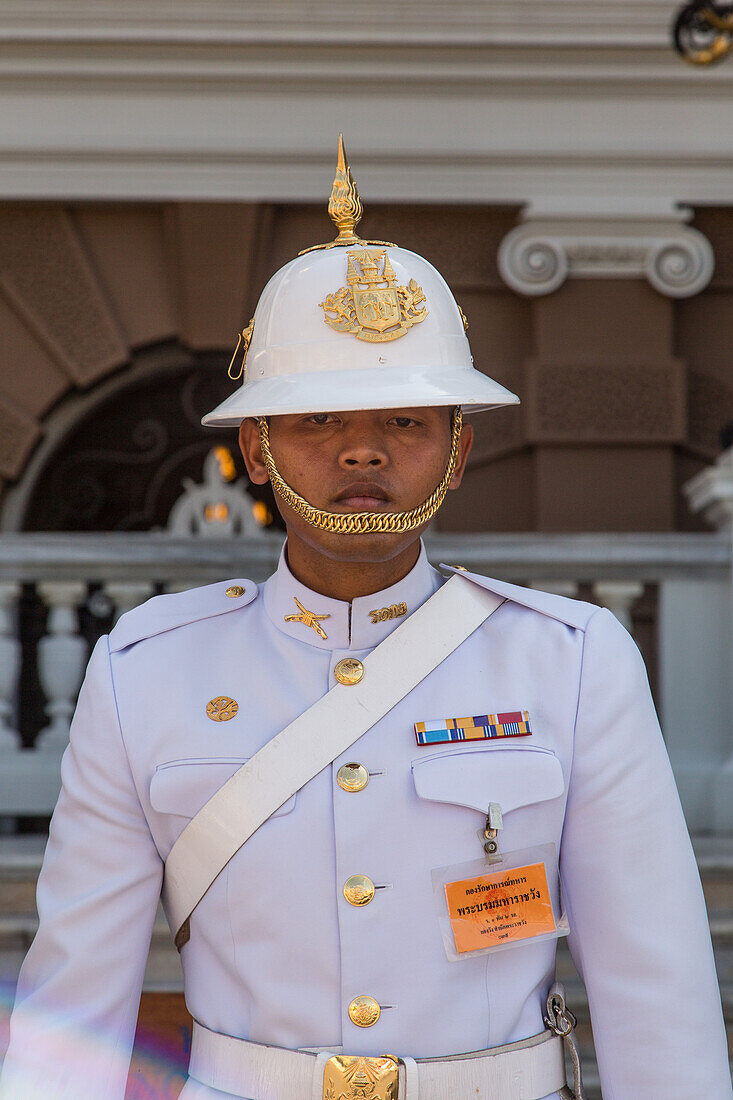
(494, 909)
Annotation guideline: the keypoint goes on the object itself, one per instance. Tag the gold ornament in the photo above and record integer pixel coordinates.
(354, 1077)
(352, 777)
(359, 890)
(372, 307)
(222, 709)
(245, 338)
(364, 1011)
(349, 671)
(394, 611)
(344, 207)
(360, 523)
(307, 618)
(703, 33)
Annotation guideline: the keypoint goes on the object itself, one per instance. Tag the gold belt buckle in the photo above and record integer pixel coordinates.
(352, 1077)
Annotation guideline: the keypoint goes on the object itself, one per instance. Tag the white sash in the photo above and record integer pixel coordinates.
(313, 741)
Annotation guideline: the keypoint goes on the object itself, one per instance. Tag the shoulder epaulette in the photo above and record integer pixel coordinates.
(575, 613)
(174, 609)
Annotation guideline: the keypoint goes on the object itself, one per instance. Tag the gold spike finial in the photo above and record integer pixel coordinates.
(344, 206)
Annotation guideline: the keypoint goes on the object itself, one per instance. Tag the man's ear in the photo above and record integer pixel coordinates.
(465, 445)
(249, 445)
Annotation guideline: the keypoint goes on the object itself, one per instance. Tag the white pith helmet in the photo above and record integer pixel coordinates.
(356, 325)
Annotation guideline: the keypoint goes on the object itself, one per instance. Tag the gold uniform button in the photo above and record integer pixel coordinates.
(352, 777)
(234, 591)
(358, 890)
(364, 1011)
(349, 671)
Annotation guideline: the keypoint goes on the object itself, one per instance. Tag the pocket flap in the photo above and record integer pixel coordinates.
(183, 786)
(511, 777)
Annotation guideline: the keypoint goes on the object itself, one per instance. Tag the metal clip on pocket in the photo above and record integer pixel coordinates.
(562, 1021)
(490, 832)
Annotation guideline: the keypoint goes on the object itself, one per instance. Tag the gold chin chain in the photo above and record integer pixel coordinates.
(362, 523)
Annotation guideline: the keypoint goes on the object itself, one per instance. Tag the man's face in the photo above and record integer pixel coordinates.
(386, 460)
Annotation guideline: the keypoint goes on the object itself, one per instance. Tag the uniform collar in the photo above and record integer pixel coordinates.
(361, 624)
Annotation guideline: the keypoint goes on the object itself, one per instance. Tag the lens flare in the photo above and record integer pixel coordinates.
(53, 1048)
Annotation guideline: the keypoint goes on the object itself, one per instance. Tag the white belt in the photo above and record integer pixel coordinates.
(528, 1070)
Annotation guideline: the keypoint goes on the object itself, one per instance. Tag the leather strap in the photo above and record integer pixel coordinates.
(313, 741)
(528, 1070)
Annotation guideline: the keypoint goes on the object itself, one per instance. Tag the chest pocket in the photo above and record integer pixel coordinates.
(511, 777)
(182, 787)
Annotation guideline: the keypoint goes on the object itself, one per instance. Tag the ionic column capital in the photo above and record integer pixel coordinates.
(538, 256)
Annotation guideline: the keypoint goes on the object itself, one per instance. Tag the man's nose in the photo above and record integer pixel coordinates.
(364, 452)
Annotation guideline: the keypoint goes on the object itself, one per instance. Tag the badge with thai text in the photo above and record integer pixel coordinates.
(483, 907)
(477, 727)
(497, 908)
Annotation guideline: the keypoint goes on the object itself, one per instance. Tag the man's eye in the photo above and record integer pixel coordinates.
(320, 418)
(403, 421)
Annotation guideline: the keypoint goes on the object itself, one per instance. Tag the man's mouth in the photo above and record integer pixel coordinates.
(363, 496)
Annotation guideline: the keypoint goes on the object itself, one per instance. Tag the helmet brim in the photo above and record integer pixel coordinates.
(349, 390)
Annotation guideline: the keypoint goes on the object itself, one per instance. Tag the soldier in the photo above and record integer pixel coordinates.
(379, 796)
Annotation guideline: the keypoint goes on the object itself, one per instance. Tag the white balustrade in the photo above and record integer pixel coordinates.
(9, 666)
(557, 587)
(182, 584)
(124, 595)
(619, 597)
(692, 574)
(711, 493)
(62, 655)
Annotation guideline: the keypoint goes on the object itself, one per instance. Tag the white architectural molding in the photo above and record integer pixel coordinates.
(539, 255)
(711, 492)
(518, 101)
(535, 22)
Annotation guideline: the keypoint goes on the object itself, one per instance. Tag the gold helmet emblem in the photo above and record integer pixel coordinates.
(371, 306)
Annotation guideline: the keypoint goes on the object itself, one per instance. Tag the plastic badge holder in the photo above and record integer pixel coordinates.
(485, 906)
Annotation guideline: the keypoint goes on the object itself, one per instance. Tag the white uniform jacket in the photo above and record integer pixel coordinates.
(276, 952)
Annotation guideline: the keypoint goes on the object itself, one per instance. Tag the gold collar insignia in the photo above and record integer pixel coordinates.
(308, 618)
